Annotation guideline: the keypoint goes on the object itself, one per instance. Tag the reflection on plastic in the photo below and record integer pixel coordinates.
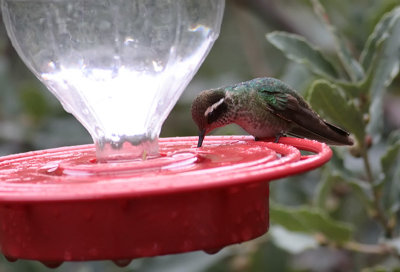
(118, 66)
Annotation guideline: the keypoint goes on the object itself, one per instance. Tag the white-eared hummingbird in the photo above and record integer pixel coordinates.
(265, 108)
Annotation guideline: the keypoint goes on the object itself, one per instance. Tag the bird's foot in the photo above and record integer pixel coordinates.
(278, 136)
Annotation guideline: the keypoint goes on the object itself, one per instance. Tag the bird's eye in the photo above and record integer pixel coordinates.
(215, 111)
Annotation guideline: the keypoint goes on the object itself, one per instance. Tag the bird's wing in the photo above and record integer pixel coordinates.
(288, 105)
(284, 104)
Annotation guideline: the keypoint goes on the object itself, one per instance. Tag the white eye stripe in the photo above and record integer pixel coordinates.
(213, 106)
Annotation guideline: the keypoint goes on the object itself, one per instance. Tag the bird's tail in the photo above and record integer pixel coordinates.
(326, 132)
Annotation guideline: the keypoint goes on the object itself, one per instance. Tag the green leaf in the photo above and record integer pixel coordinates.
(362, 190)
(351, 65)
(297, 49)
(284, 216)
(351, 88)
(324, 189)
(380, 33)
(353, 68)
(328, 100)
(390, 163)
(339, 175)
(388, 58)
(293, 242)
(310, 220)
(384, 69)
(394, 137)
(34, 102)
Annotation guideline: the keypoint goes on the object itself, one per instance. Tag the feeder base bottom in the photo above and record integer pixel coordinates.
(126, 228)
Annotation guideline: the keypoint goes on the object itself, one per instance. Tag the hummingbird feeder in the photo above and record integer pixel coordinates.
(119, 67)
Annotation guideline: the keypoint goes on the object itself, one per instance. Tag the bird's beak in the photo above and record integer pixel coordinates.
(201, 137)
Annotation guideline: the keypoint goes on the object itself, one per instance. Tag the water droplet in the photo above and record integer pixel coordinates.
(52, 264)
(198, 28)
(123, 262)
(239, 220)
(85, 111)
(67, 256)
(88, 215)
(11, 259)
(233, 190)
(128, 40)
(213, 250)
(156, 247)
(187, 245)
(93, 252)
(99, 132)
(174, 214)
(51, 65)
(115, 138)
(247, 234)
(157, 66)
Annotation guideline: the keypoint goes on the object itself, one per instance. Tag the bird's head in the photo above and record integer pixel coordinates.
(207, 109)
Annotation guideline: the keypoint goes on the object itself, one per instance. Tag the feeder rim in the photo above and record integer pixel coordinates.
(125, 186)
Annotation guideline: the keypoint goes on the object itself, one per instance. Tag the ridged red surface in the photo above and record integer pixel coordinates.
(61, 205)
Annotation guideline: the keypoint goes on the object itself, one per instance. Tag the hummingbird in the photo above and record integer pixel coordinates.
(265, 108)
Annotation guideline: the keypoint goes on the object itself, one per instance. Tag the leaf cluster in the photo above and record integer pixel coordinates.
(349, 91)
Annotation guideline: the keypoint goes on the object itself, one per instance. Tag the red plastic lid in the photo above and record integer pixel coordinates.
(61, 205)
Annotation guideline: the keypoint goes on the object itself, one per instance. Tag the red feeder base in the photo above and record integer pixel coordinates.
(60, 205)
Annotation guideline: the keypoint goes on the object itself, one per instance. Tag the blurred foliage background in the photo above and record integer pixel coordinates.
(343, 217)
